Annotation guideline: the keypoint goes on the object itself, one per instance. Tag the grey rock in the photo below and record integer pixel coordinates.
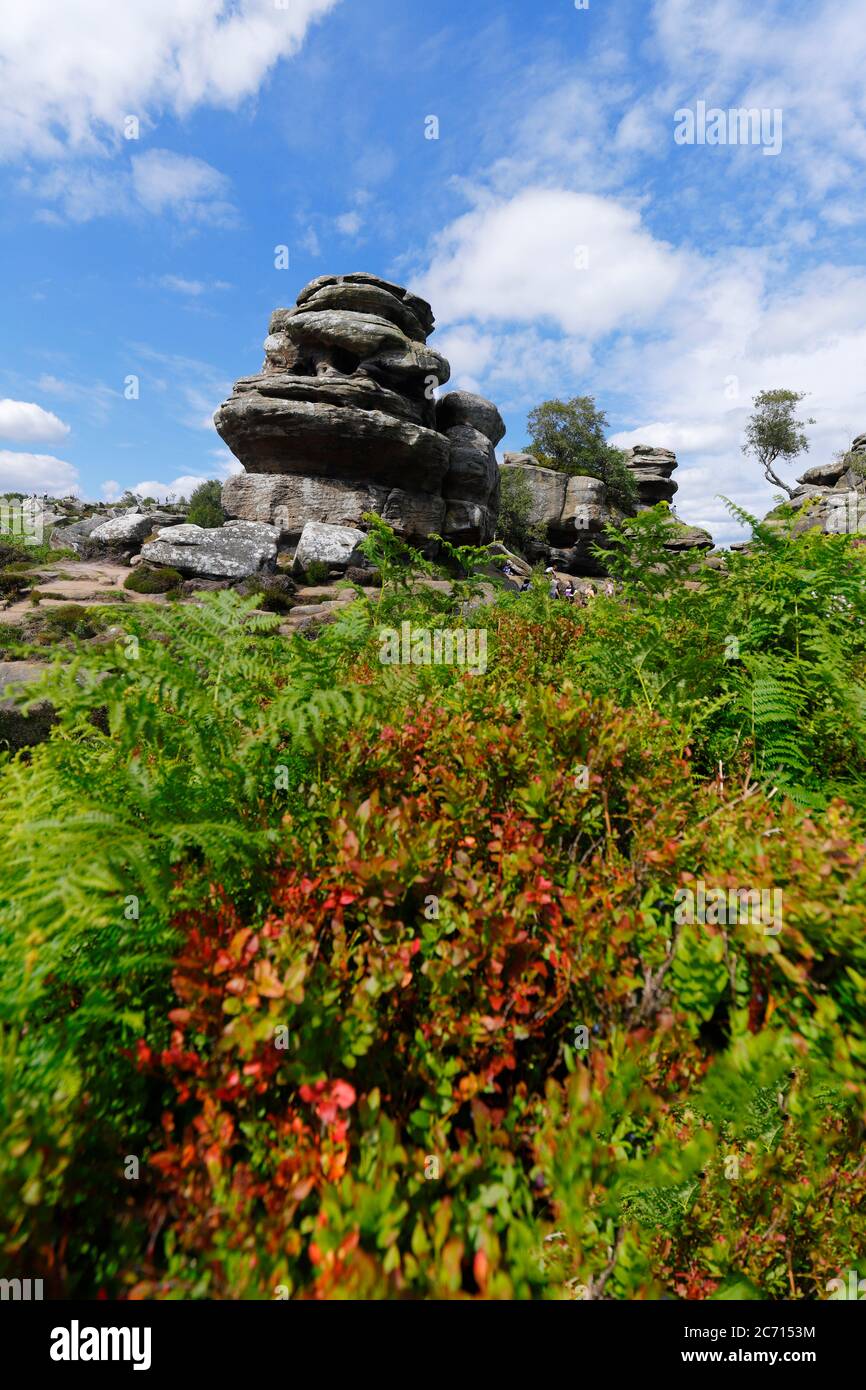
(271, 435)
(129, 530)
(366, 299)
(334, 546)
(468, 523)
(824, 474)
(585, 505)
(420, 308)
(232, 551)
(344, 415)
(472, 470)
(652, 469)
(547, 486)
(290, 501)
(360, 391)
(464, 408)
(72, 537)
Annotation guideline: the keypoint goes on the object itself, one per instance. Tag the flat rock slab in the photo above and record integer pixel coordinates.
(234, 551)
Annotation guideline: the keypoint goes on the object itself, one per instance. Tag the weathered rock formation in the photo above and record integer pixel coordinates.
(652, 469)
(835, 492)
(343, 419)
(575, 510)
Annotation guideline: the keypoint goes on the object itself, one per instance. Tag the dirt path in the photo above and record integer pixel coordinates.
(83, 581)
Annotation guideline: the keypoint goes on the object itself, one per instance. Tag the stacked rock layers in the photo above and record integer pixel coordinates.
(343, 419)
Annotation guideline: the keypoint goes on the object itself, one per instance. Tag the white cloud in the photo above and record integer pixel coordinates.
(349, 223)
(111, 490)
(29, 423)
(70, 73)
(808, 60)
(194, 288)
(93, 397)
(159, 183)
(192, 189)
(37, 473)
(579, 262)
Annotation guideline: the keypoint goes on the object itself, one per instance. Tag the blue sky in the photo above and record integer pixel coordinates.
(709, 271)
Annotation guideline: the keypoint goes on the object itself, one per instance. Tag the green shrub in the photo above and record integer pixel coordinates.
(205, 506)
(153, 581)
(317, 572)
(514, 526)
(12, 585)
(273, 599)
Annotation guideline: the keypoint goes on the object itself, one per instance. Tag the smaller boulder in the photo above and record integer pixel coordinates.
(464, 408)
(324, 544)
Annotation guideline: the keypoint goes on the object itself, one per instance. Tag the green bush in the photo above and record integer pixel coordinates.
(205, 506)
(153, 581)
(514, 526)
(317, 572)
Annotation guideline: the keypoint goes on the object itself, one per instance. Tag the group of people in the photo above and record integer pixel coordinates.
(559, 587)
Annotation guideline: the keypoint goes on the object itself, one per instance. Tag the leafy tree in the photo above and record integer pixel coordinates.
(773, 432)
(569, 436)
(514, 526)
(205, 506)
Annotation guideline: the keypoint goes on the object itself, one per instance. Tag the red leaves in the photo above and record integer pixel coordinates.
(329, 1097)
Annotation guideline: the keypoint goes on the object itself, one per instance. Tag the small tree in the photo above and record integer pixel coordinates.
(773, 432)
(569, 436)
(205, 505)
(513, 525)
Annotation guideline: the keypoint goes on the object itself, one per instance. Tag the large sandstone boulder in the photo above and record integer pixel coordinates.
(575, 509)
(547, 486)
(233, 551)
(464, 408)
(345, 406)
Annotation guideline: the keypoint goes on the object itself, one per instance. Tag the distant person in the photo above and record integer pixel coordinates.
(554, 583)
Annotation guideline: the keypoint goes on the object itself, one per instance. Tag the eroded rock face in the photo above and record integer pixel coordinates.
(652, 469)
(833, 495)
(343, 419)
(575, 509)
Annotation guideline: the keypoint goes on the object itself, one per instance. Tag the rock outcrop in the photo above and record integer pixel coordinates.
(343, 419)
(575, 509)
(835, 493)
(652, 469)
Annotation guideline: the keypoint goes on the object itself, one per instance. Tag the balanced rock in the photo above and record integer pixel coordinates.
(232, 551)
(652, 469)
(343, 419)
